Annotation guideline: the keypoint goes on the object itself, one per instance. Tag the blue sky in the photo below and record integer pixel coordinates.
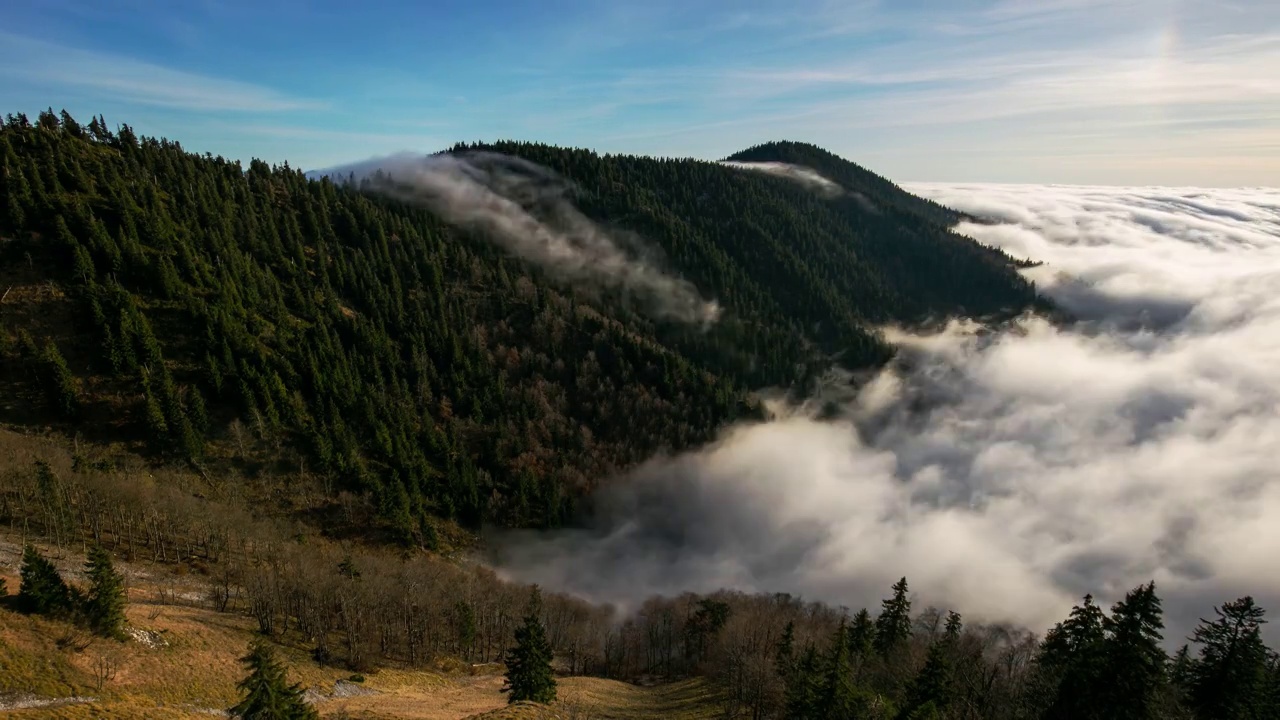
(1172, 92)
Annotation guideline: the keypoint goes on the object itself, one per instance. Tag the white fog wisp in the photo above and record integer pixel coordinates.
(808, 177)
(1005, 474)
(528, 210)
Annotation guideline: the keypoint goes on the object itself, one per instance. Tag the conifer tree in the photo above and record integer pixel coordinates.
(784, 661)
(803, 688)
(104, 604)
(60, 386)
(43, 590)
(893, 627)
(1133, 662)
(838, 696)
(267, 692)
(931, 690)
(1230, 677)
(862, 635)
(1066, 681)
(529, 674)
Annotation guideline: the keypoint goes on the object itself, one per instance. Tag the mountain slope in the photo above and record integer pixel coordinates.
(852, 177)
(205, 311)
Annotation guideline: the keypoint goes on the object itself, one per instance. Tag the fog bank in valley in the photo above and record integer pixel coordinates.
(1005, 474)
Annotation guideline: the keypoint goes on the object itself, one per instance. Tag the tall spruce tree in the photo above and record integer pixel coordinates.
(803, 691)
(1067, 678)
(838, 697)
(893, 626)
(933, 688)
(59, 385)
(104, 604)
(43, 590)
(1133, 662)
(529, 674)
(1229, 679)
(267, 692)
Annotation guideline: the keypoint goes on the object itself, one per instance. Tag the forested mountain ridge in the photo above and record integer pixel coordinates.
(853, 178)
(179, 300)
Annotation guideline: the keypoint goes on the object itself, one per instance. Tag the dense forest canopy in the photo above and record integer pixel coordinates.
(170, 298)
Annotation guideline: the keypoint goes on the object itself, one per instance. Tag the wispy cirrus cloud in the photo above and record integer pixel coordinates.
(123, 78)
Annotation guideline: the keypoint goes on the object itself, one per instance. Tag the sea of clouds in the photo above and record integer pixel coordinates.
(1004, 474)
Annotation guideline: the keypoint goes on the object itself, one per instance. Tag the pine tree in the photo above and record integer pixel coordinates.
(267, 692)
(862, 634)
(784, 661)
(1066, 681)
(838, 696)
(529, 675)
(1229, 679)
(43, 590)
(932, 689)
(893, 627)
(804, 687)
(1133, 662)
(60, 386)
(104, 604)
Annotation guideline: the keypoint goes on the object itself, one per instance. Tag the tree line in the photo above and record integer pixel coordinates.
(774, 655)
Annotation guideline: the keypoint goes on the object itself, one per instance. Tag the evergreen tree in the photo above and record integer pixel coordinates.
(43, 590)
(1229, 679)
(862, 635)
(529, 675)
(803, 690)
(60, 386)
(104, 603)
(1067, 683)
(1180, 666)
(838, 696)
(267, 692)
(784, 660)
(932, 690)
(1133, 662)
(893, 626)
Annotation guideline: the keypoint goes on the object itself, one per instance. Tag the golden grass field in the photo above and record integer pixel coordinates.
(188, 668)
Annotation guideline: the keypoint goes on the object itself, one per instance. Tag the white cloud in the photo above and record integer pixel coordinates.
(1006, 474)
(527, 209)
(808, 177)
(122, 78)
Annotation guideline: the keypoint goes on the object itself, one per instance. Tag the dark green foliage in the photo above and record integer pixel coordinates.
(529, 675)
(464, 625)
(1133, 662)
(423, 366)
(267, 692)
(933, 689)
(103, 607)
(803, 690)
(1093, 665)
(862, 634)
(43, 590)
(1070, 665)
(838, 696)
(59, 384)
(1232, 679)
(784, 659)
(893, 626)
(706, 622)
